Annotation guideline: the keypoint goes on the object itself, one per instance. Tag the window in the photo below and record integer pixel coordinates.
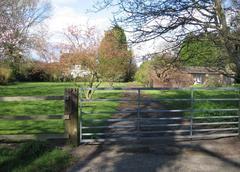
(198, 78)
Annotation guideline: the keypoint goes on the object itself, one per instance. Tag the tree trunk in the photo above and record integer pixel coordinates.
(228, 43)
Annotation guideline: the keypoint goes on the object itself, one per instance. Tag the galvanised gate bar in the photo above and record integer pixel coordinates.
(159, 113)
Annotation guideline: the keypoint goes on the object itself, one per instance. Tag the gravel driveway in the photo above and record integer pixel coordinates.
(221, 155)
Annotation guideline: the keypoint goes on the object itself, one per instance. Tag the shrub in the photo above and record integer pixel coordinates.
(212, 81)
(38, 74)
(143, 73)
(5, 75)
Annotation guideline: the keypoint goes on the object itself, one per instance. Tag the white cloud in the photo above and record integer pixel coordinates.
(64, 2)
(65, 14)
(63, 17)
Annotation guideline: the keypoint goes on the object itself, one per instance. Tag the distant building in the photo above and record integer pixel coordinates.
(77, 71)
(201, 74)
(187, 76)
(71, 65)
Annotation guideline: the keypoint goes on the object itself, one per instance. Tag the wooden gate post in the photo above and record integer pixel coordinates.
(71, 109)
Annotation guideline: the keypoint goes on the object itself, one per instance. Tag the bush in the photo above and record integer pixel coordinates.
(36, 71)
(33, 72)
(143, 73)
(38, 74)
(212, 81)
(5, 75)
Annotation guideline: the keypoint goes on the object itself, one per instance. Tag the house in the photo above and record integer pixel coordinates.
(78, 71)
(71, 65)
(187, 76)
(202, 74)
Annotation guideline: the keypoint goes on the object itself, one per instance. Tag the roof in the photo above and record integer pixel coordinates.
(199, 69)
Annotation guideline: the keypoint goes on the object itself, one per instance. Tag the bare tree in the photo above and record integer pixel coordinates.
(173, 20)
(18, 20)
(44, 48)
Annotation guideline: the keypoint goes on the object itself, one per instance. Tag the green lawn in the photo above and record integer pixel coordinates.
(199, 105)
(39, 156)
(44, 88)
(48, 107)
(106, 108)
(198, 94)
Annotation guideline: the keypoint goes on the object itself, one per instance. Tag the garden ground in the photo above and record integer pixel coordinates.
(56, 107)
(219, 155)
(35, 156)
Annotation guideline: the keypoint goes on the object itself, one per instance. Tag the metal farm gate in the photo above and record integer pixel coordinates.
(159, 113)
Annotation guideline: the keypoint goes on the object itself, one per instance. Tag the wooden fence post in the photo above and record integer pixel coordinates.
(71, 109)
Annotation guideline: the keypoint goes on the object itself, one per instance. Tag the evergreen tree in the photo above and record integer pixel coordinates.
(115, 60)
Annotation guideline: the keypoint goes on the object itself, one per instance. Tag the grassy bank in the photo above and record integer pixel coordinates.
(33, 157)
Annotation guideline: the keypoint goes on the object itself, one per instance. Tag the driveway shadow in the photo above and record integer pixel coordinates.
(151, 155)
(167, 157)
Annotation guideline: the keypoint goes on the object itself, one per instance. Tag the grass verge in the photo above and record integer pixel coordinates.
(33, 156)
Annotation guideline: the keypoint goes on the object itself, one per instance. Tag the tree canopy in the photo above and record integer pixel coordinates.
(18, 22)
(199, 52)
(143, 73)
(115, 60)
(80, 49)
